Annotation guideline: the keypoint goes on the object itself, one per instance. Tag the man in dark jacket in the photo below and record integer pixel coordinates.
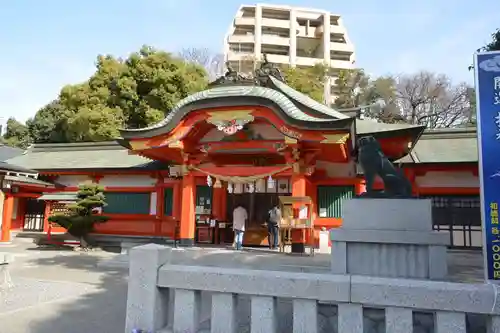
(273, 221)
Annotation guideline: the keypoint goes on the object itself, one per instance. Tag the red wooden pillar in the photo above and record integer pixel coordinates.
(8, 206)
(360, 187)
(218, 203)
(187, 223)
(160, 209)
(46, 215)
(299, 184)
(176, 201)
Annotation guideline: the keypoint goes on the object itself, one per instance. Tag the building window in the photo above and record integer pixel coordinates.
(330, 199)
(168, 201)
(127, 203)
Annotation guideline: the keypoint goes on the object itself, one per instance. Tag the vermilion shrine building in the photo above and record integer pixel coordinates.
(252, 142)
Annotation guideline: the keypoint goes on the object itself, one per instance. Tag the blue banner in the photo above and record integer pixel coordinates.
(487, 70)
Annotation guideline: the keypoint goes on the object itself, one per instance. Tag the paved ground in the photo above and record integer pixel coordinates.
(68, 292)
(62, 292)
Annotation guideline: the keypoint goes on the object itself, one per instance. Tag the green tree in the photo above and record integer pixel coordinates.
(81, 217)
(49, 124)
(308, 80)
(122, 93)
(16, 134)
(494, 45)
(356, 88)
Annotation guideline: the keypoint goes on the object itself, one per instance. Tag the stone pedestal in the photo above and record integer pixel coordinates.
(389, 238)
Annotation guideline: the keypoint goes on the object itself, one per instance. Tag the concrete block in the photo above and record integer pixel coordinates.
(450, 322)
(147, 305)
(321, 287)
(398, 320)
(438, 267)
(350, 318)
(187, 311)
(425, 295)
(493, 324)
(263, 315)
(339, 257)
(390, 236)
(387, 214)
(224, 307)
(388, 260)
(305, 316)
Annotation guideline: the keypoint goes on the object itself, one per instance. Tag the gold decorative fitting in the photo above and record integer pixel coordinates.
(289, 140)
(230, 122)
(138, 145)
(176, 144)
(335, 138)
(230, 115)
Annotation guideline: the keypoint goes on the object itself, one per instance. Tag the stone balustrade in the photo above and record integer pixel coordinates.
(189, 299)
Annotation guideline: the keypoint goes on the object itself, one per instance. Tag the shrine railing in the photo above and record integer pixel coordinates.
(174, 298)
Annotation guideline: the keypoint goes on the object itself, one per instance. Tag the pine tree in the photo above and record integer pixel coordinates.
(81, 217)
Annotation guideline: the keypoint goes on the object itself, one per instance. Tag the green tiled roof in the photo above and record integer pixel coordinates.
(72, 156)
(7, 152)
(434, 146)
(59, 196)
(445, 146)
(235, 95)
(8, 167)
(28, 180)
(299, 110)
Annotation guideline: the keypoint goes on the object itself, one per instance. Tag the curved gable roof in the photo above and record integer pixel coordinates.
(239, 95)
(289, 104)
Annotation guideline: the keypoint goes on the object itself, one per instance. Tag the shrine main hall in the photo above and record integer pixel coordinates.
(240, 141)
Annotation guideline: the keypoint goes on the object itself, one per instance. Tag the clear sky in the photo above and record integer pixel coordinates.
(47, 44)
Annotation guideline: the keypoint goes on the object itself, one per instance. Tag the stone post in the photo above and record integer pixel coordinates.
(147, 305)
(389, 238)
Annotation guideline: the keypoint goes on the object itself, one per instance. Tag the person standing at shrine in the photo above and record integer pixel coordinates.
(239, 219)
(273, 221)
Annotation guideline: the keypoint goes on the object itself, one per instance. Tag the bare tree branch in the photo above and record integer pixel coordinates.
(212, 62)
(433, 100)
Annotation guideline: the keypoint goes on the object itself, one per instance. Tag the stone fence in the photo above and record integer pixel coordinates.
(189, 299)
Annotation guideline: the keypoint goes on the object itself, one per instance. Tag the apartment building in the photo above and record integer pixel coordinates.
(291, 36)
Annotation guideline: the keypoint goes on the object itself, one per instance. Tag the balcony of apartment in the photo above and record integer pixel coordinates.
(244, 21)
(279, 54)
(244, 39)
(341, 64)
(269, 22)
(240, 51)
(282, 14)
(275, 36)
(334, 30)
(275, 40)
(342, 47)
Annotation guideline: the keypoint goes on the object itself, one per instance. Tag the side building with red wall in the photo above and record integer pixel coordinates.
(145, 201)
(246, 142)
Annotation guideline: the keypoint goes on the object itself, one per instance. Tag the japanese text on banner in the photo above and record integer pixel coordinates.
(496, 234)
(496, 101)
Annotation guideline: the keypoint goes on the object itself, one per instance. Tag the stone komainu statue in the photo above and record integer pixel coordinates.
(372, 160)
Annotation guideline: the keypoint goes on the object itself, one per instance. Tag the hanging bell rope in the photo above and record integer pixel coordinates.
(243, 180)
